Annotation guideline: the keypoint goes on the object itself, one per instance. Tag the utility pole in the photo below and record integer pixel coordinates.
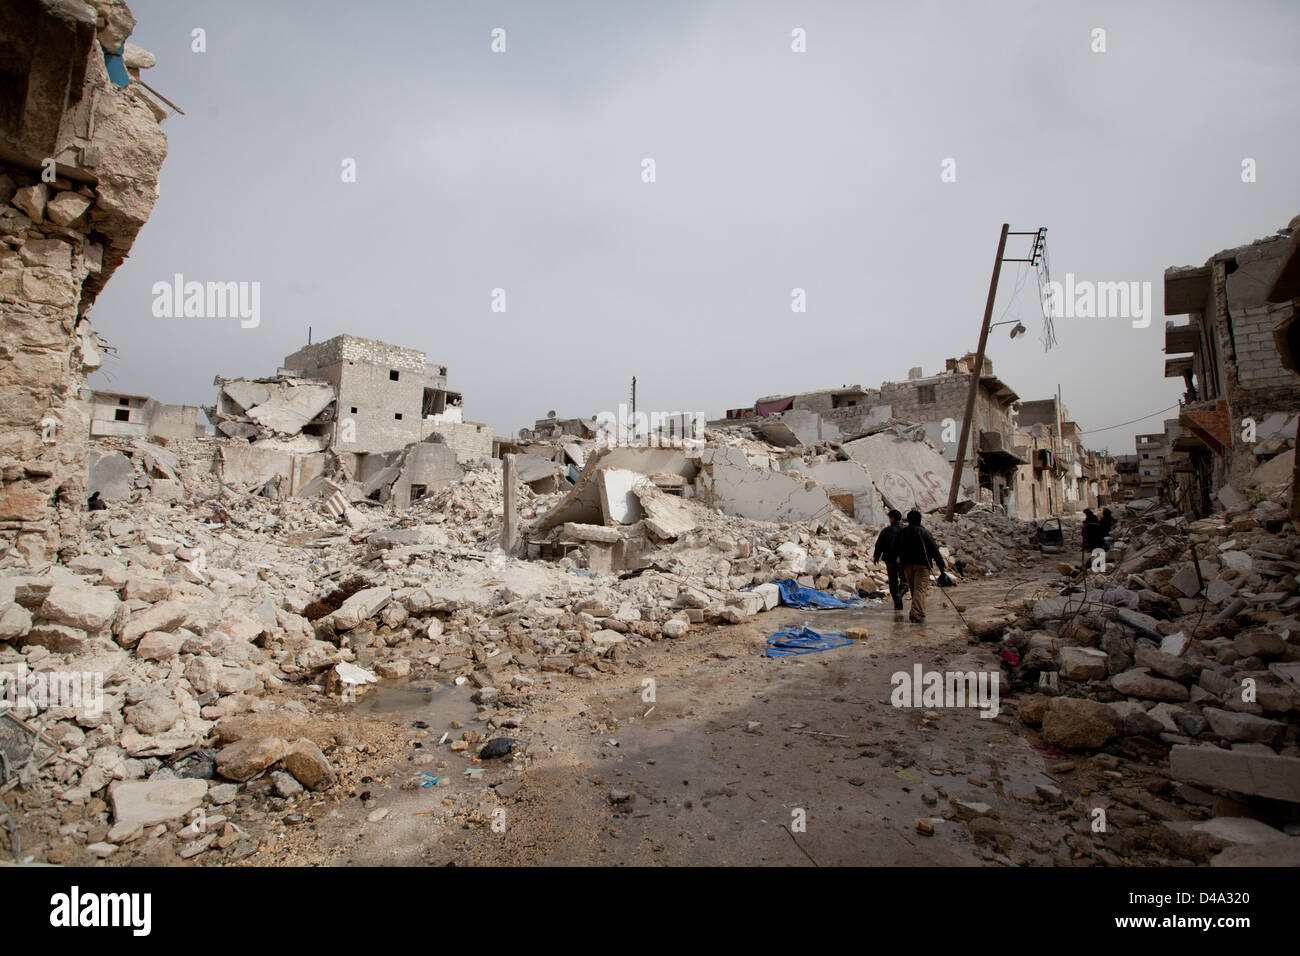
(1036, 257)
(1060, 449)
(975, 374)
(509, 505)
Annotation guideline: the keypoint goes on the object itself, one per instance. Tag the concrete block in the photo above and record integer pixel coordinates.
(1257, 775)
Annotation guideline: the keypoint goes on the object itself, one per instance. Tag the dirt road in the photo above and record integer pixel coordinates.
(704, 751)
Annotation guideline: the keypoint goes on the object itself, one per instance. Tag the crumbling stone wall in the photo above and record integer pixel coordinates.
(79, 180)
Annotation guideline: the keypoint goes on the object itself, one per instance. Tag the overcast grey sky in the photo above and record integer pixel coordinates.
(821, 170)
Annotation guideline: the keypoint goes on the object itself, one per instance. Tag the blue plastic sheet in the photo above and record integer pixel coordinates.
(115, 66)
(792, 595)
(793, 641)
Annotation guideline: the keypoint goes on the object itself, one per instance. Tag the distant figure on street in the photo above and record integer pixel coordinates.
(95, 503)
(918, 553)
(887, 551)
(1092, 536)
(1107, 523)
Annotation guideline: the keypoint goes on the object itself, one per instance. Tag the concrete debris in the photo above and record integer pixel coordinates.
(1191, 682)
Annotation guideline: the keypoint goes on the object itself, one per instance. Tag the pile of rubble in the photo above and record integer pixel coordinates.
(1181, 658)
(227, 624)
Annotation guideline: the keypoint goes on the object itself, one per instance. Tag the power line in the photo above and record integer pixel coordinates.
(1092, 431)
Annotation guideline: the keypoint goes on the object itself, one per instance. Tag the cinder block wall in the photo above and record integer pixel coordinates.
(469, 440)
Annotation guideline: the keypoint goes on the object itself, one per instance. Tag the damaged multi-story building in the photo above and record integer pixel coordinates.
(348, 409)
(122, 415)
(1240, 399)
(80, 152)
(1025, 458)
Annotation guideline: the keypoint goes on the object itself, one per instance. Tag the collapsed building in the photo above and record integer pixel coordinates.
(80, 151)
(373, 419)
(1242, 398)
(1026, 459)
(139, 416)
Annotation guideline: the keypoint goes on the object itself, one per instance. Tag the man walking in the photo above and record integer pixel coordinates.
(887, 550)
(917, 553)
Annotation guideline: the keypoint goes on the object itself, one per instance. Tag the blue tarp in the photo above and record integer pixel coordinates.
(792, 595)
(803, 640)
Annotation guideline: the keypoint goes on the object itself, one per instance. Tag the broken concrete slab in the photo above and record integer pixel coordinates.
(111, 474)
(1238, 726)
(360, 607)
(247, 394)
(158, 461)
(617, 501)
(149, 802)
(1275, 472)
(1258, 775)
(665, 515)
(290, 407)
(582, 505)
(727, 481)
(1231, 498)
(849, 478)
(908, 474)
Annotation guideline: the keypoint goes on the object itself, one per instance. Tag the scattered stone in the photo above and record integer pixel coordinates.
(155, 801)
(245, 759)
(1075, 724)
(308, 765)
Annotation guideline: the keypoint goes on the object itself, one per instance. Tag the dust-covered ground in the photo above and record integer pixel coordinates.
(704, 751)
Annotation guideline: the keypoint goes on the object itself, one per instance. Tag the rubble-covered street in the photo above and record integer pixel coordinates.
(592, 435)
(281, 683)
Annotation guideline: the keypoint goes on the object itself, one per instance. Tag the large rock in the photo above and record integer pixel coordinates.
(246, 758)
(1083, 663)
(1259, 643)
(209, 674)
(1245, 727)
(1138, 683)
(1167, 665)
(1076, 724)
(15, 621)
(1237, 561)
(166, 616)
(89, 608)
(309, 766)
(58, 638)
(153, 715)
(149, 802)
(158, 646)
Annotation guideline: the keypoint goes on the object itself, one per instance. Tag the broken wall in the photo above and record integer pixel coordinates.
(427, 465)
(727, 481)
(65, 226)
(470, 441)
(908, 474)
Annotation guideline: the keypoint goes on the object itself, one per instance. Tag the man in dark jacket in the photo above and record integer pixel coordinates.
(887, 551)
(917, 553)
